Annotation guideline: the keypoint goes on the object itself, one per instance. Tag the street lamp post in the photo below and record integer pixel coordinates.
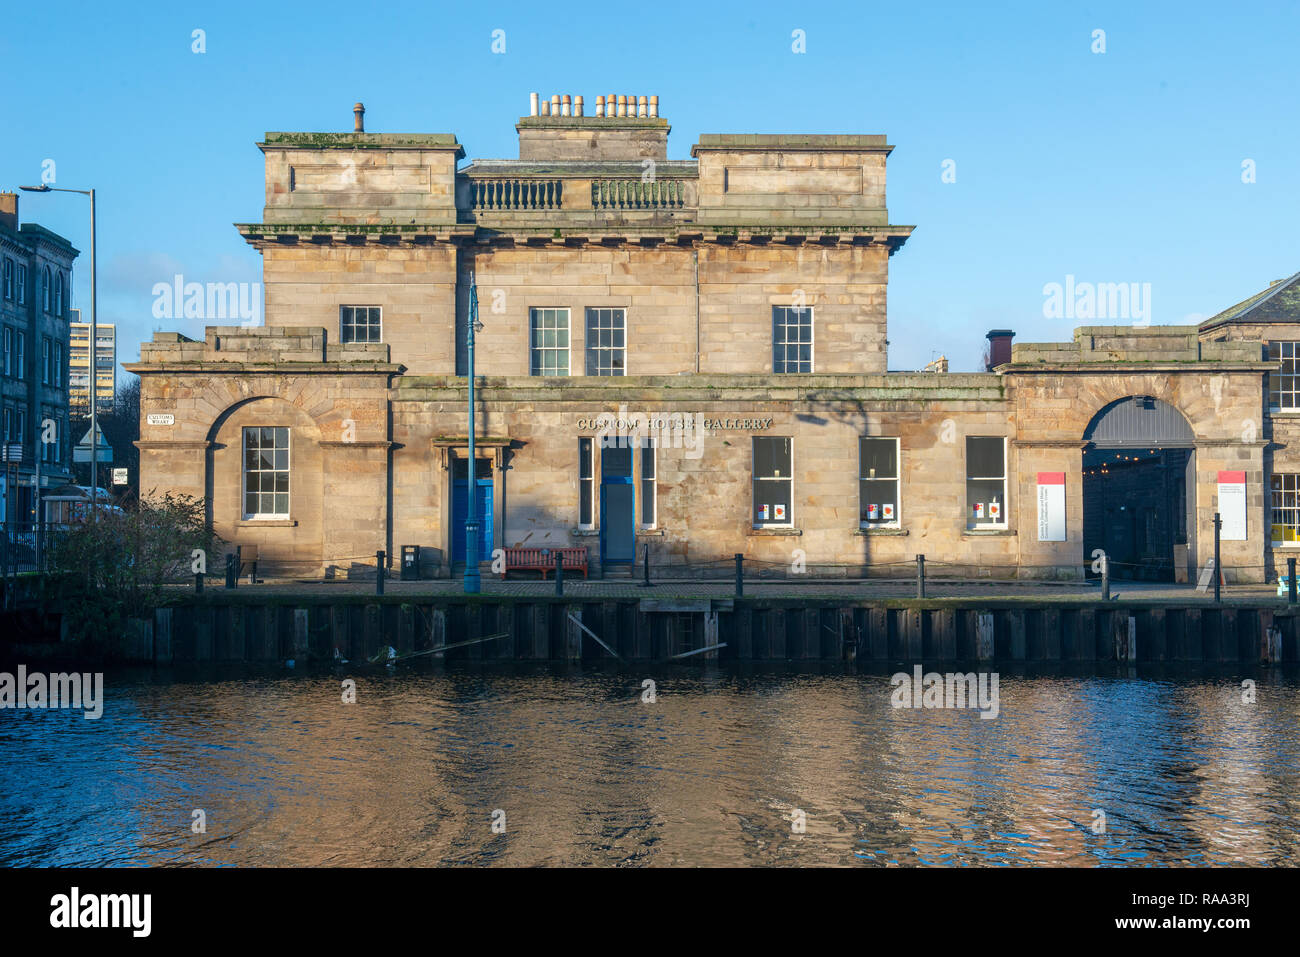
(94, 337)
(473, 583)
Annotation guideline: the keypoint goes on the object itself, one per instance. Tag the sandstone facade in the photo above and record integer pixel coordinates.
(700, 261)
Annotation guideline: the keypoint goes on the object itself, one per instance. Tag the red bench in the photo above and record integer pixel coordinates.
(543, 560)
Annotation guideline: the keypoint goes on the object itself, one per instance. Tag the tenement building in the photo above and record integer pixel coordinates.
(36, 272)
(684, 358)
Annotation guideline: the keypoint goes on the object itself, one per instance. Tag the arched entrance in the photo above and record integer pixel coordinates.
(1139, 489)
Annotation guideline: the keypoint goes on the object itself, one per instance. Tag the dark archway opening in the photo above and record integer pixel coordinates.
(1139, 489)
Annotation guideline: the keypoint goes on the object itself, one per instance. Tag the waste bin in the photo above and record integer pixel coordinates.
(410, 563)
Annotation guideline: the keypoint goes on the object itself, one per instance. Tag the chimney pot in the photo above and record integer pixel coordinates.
(359, 118)
(642, 106)
(566, 105)
(622, 105)
(654, 107)
(577, 106)
(555, 104)
(600, 106)
(532, 104)
(999, 347)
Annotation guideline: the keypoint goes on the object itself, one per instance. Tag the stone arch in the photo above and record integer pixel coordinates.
(295, 542)
(1139, 488)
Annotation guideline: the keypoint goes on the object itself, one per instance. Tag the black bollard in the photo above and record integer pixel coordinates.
(559, 573)
(920, 576)
(1105, 577)
(646, 565)
(1290, 581)
(232, 571)
(740, 574)
(198, 583)
(379, 573)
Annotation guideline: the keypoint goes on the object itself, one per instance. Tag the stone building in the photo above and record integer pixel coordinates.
(36, 271)
(684, 356)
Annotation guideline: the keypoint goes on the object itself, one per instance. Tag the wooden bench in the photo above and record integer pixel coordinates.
(543, 560)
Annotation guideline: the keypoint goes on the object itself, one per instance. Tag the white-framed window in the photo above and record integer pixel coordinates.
(549, 338)
(20, 357)
(606, 342)
(9, 278)
(878, 482)
(9, 424)
(1284, 386)
(586, 485)
(773, 481)
(9, 351)
(22, 284)
(266, 472)
(45, 360)
(1284, 514)
(58, 293)
(649, 483)
(58, 363)
(986, 481)
(792, 339)
(20, 425)
(48, 299)
(360, 324)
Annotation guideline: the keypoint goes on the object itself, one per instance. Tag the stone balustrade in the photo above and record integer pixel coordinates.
(516, 193)
(635, 194)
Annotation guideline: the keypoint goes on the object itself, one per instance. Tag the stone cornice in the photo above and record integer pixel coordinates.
(216, 367)
(328, 234)
(1132, 367)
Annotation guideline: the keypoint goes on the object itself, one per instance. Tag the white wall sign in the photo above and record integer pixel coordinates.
(1232, 506)
(1051, 506)
(119, 477)
(160, 418)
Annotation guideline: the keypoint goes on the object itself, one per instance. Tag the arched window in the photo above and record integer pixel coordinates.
(47, 297)
(58, 294)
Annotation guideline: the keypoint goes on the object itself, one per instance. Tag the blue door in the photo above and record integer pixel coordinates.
(460, 509)
(617, 507)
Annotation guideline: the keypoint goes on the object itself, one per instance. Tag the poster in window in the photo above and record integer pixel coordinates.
(887, 512)
(873, 513)
(995, 511)
(1051, 506)
(1232, 506)
(779, 512)
(763, 513)
(979, 509)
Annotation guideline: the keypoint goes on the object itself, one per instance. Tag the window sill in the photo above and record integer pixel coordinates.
(1285, 546)
(266, 523)
(584, 532)
(780, 531)
(655, 532)
(987, 532)
(882, 530)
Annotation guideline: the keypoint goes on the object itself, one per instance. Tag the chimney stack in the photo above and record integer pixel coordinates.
(9, 211)
(359, 118)
(999, 347)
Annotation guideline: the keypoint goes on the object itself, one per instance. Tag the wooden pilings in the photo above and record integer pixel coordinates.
(214, 627)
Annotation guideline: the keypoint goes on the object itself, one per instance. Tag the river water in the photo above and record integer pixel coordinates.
(726, 766)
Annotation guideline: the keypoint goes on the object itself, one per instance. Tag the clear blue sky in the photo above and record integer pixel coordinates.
(1117, 167)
